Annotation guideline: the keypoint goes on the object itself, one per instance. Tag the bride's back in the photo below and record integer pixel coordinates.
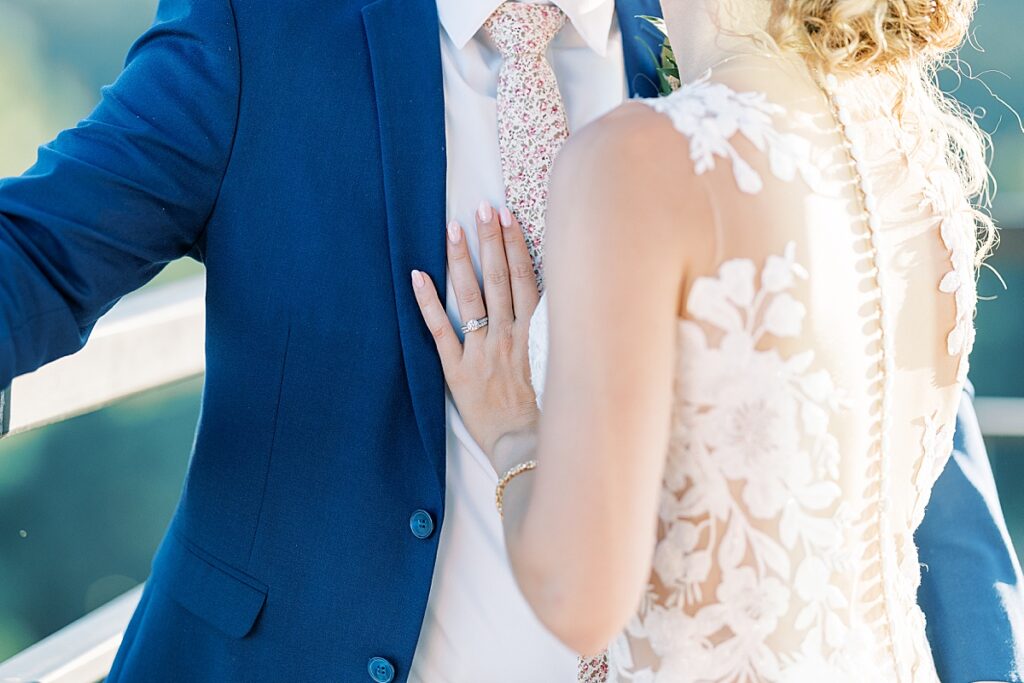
(881, 225)
(825, 322)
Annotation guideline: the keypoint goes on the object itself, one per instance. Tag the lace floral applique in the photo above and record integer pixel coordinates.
(913, 656)
(937, 446)
(944, 196)
(710, 114)
(751, 490)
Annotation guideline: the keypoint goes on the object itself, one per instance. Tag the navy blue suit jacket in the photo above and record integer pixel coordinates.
(298, 150)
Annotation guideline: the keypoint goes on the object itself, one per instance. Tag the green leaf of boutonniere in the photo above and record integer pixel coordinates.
(665, 63)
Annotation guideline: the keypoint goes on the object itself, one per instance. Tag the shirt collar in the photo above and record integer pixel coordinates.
(592, 19)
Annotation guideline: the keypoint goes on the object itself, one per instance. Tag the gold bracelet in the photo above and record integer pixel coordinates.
(499, 491)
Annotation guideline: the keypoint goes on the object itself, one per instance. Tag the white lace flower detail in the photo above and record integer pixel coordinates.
(944, 196)
(750, 504)
(710, 114)
(752, 604)
(936, 447)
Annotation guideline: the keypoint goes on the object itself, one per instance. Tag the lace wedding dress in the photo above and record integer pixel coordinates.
(821, 358)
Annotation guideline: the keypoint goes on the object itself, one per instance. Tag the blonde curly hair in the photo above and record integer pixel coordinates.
(851, 35)
(910, 40)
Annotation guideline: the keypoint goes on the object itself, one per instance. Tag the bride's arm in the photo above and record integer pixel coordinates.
(625, 218)
(580, 529)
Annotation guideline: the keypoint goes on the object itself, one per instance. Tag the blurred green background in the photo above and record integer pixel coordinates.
(84, 503)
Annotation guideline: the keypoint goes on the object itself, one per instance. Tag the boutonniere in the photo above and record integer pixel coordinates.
(667, 69)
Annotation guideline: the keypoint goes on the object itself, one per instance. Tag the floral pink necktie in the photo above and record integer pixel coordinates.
(532, 128)
(531, 116)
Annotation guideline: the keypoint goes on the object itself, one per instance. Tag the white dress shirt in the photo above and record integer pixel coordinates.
(478, 627)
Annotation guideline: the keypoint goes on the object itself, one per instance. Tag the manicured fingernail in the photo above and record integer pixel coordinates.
(485, 212)
(417, 279)
(454, 232)
(506, 217)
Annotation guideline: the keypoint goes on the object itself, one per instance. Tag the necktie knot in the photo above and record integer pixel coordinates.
(518, 29)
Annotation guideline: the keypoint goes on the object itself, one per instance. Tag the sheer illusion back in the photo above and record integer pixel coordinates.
(821, 355)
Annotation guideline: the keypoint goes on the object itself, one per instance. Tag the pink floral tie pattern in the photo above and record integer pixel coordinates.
(532, 126)
(593, 669)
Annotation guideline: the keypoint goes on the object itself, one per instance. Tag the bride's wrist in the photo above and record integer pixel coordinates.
(513, 448)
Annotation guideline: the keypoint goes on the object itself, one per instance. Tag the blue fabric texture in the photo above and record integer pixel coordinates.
(971, 581)
(298, 150)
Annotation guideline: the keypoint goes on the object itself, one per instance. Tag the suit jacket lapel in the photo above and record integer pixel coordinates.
(405, 54)
(640, 43)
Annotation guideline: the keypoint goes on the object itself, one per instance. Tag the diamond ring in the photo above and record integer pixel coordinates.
(474, 325)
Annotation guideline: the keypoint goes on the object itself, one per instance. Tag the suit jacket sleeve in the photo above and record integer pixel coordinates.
(110, 202)
(971, 582)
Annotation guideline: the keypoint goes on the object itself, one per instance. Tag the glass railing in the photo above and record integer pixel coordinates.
(89, 479)
(150, 339)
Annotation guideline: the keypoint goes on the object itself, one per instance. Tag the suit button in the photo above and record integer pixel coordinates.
(381, 670)
(422, 524)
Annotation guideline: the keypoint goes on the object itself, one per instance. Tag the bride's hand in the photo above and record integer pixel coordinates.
(488, 374)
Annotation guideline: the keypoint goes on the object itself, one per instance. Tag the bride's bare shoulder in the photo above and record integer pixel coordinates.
(631, 151)
(632, 130)
(627, 179)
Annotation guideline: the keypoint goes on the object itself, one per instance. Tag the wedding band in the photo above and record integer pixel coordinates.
(474, 325)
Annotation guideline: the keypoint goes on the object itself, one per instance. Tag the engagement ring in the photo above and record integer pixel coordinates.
(474, 325)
